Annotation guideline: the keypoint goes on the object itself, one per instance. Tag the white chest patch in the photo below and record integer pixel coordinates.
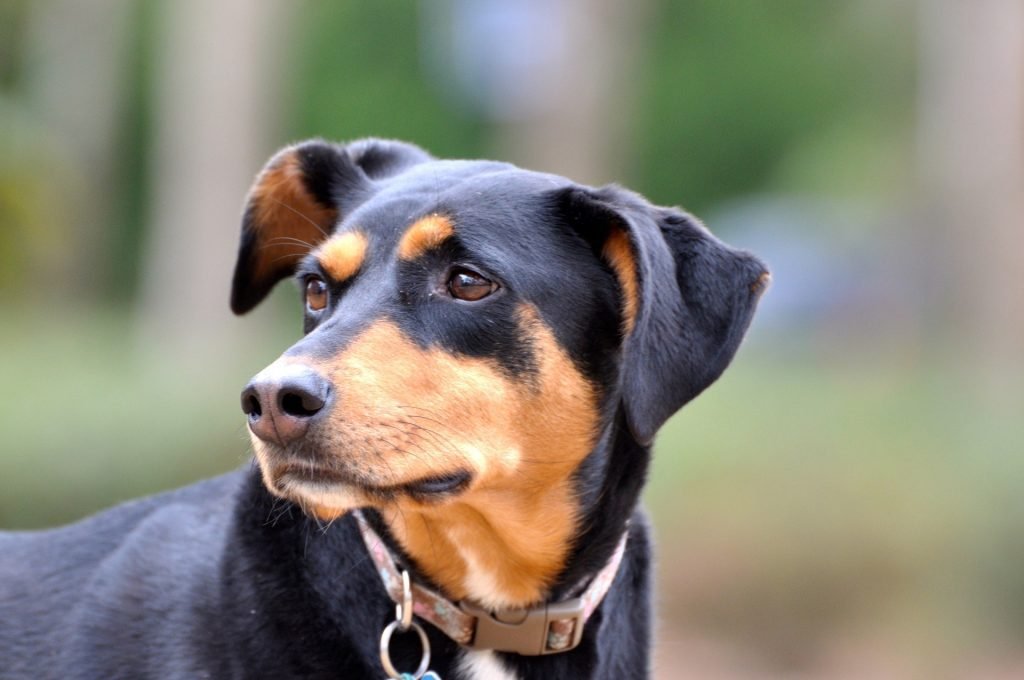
(483, 665)
(481, 586)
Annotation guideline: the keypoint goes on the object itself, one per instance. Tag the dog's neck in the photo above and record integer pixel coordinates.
(512, 551)
(617, 472)
(497, 550)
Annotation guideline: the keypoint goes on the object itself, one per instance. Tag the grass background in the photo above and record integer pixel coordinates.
(812, 514)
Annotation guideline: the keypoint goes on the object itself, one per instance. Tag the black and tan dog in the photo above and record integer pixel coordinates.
(488, 353)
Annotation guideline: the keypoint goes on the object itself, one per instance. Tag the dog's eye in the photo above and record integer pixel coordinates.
(316, 294)
(466, 284)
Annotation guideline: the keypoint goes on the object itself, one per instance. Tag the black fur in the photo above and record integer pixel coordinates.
(222, 580)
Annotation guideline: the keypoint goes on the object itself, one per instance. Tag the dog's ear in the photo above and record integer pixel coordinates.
(688, 298)
(298, 199)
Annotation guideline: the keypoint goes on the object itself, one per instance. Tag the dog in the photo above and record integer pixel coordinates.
(448, 463)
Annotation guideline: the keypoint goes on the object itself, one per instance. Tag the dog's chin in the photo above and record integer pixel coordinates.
(329, 494)
(325, 494)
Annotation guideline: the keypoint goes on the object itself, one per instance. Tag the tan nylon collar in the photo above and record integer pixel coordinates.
(547, 629)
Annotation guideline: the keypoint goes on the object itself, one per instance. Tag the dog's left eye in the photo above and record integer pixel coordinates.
(316, 294)
(466, 284)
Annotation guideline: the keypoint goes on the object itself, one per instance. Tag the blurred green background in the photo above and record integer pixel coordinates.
(845, 503)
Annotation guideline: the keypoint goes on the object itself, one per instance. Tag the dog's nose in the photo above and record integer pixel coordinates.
(282, 401)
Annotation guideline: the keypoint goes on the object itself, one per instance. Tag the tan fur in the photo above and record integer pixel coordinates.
(425, 234)
(288, 220)
(619, 253)
(762, 283)
(405, 413)
(343, 255)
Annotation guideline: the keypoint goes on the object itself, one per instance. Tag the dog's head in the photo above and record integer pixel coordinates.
(472, 331)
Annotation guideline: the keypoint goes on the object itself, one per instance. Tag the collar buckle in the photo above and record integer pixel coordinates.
(549, 629)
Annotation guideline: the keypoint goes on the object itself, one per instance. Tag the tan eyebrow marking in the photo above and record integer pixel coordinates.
(343, 255)
(426, 233)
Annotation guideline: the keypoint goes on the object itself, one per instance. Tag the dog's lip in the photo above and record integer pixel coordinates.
(448, 483)
(309, 474)
(433, 485)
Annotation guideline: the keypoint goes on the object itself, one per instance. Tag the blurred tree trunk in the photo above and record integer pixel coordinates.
(215, 116)
(75, 57)
(972, 155)
(575, 123)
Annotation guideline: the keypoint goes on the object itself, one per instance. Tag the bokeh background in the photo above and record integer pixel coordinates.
(846, 502)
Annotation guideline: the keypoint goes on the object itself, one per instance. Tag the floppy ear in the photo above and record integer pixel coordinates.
(688, 300)
(299, 198)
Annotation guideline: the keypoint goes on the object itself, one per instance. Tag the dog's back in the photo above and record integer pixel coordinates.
(110, 588)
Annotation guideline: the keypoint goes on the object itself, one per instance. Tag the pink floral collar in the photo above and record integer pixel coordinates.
(549, 628)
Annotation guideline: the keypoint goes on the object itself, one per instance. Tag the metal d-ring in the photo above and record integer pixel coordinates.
(403, 622)
(385, 654)
(403, 611)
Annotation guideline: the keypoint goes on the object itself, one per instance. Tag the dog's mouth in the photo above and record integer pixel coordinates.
(323, 481)
(451, 483)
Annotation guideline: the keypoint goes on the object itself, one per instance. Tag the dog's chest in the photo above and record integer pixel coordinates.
(483, 665)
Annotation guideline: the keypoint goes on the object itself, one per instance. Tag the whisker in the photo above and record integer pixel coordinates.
(433, 420)
(438, 439)
(402, 451)
(401, 431)
(300, 214)
(285, 257)
(280, 241)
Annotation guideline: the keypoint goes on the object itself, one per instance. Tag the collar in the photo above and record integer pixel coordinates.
(545, 629)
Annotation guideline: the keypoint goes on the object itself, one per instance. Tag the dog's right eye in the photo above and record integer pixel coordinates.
(466, 284)
(316, 294)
